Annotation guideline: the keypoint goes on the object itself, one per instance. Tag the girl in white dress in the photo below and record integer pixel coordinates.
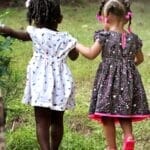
(49, 86)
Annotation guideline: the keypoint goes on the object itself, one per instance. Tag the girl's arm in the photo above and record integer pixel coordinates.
(89, 53)
(139, 58)
(73, 54)
(20, 35)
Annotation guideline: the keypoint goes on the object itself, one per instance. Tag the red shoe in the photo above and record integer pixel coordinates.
(129, 143)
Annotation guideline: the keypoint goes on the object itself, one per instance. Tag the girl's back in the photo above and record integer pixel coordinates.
(49, 44)
(49, 80)
(113, 45)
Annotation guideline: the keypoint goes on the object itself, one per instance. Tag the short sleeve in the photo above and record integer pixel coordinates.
(30, 30)
(101, 36)
(139, 44)
(70, 41)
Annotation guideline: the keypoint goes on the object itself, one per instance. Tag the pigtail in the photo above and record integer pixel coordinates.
(129, 24)
(101, 7)
(99, 14)
(128, 14)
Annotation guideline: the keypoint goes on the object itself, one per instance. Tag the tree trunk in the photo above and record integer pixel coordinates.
(2, 124)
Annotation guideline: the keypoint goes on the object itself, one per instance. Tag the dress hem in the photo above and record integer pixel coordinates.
(50, 107)
(134, 118)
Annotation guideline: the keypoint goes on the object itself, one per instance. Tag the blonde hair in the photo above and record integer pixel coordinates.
(114, 6)
(120, 8)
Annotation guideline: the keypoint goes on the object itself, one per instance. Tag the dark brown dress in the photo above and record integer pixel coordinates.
(118, 90)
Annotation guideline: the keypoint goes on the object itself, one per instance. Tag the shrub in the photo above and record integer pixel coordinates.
(4, 62)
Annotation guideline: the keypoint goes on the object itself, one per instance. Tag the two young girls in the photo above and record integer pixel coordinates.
(118, 94)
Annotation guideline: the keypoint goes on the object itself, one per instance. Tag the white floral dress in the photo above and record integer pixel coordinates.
(49, 80)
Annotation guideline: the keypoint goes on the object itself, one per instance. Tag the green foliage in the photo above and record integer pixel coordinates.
(4, 60)
(5, 44)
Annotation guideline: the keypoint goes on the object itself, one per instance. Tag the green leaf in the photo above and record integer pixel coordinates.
(5, 45)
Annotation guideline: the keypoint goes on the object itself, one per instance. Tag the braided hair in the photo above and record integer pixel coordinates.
(103, 2)
(45, 13)
(127, 4)
(117, 7)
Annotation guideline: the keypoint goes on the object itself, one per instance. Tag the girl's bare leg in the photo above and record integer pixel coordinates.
(128, 141)
(110, 133)
(43, 122)
(57, 129)
(126, 126)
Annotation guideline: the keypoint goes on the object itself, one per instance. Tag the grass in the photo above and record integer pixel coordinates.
(80, 132)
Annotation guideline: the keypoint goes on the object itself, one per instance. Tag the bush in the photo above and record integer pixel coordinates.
(4, 62)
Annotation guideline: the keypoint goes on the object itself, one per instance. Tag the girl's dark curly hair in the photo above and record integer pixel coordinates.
(117, 7)
(44, 13)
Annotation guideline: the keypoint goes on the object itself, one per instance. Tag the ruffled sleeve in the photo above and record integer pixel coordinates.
(101, 36)
(31, 31)
(70, 41)
(139, 44)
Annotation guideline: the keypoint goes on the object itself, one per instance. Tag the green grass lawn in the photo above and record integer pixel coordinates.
(80, 132)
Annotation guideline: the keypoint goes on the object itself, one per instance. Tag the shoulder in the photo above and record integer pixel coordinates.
(33, 31)
(67, 36)
(40, 32)
(101, 36)
(135, 36)
(30, 29)
(101, 33)
(138, 41)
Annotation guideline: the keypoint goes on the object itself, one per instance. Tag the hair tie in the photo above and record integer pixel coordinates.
(123, 40)
(98, 17)
(129, 29)
(128, 15)
(27, 3)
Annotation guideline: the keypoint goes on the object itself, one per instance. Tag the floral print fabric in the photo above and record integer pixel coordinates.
(118, 90)
(49, 80)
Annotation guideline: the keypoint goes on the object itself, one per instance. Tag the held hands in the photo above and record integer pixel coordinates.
(73, 54)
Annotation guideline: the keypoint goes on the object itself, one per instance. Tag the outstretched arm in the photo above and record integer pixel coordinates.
(139, 58)
(89, 53)
(20, 35)
(73, 54)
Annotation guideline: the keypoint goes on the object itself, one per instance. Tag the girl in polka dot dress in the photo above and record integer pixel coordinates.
(118, 93)
(49, 86)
